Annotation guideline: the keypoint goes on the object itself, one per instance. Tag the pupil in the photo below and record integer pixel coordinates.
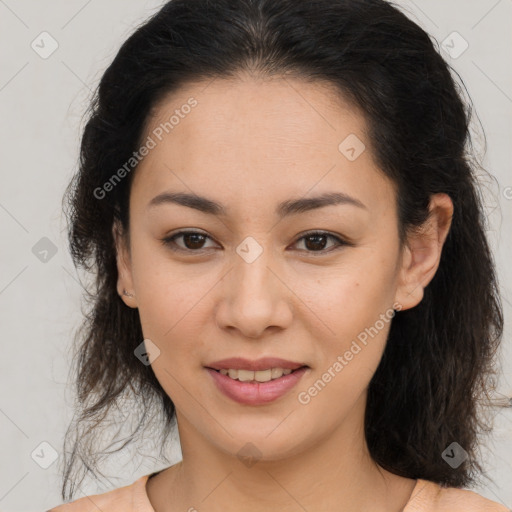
(191, 235)
(315, 238)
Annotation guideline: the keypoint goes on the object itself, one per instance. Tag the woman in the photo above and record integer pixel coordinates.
(277, 199)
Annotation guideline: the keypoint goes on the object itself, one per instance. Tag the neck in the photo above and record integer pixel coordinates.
(337, 473)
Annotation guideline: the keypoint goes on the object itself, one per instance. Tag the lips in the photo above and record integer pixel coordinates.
(252, 392)
(240, 363)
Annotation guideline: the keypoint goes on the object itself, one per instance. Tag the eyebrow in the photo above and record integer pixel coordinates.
(286, 208)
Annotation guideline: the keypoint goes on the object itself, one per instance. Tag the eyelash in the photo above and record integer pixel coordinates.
(170, 241)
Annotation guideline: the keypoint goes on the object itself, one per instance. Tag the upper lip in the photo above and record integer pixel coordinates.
(239, 363)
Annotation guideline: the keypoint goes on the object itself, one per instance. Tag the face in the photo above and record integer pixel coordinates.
(250, 280)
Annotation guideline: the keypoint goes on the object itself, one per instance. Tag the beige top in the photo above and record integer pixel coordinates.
(426, 497)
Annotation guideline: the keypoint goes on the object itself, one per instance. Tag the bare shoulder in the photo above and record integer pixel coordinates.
(466, 500)
(432, 497)
(121, 499)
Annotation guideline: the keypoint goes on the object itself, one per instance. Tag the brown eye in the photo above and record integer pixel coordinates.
(316, 241)
(192, 241)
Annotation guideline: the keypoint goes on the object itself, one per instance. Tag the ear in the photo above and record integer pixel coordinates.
(422, 252)
(124, 271)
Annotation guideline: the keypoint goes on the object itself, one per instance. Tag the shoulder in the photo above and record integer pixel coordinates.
(431, 497)
(130, 498)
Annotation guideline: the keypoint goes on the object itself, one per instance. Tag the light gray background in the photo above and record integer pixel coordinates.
(42, 102)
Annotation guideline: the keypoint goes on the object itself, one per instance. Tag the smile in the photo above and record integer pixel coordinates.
(258, 376)
(256, 387)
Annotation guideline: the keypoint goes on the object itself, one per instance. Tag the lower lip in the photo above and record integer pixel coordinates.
(256, 393)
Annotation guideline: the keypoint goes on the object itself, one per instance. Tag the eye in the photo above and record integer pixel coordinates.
(193, 241)
(316, 240)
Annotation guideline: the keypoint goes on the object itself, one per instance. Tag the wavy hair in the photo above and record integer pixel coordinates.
(437, 366)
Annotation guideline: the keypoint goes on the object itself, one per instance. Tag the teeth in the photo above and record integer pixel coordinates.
(258, 376)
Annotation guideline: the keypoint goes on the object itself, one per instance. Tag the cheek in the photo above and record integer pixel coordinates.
(355, 309)
(358, 321)
(169, 295)
(171, 310)
(351, 298)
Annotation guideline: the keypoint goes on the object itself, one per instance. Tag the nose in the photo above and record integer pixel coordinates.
(254, 298)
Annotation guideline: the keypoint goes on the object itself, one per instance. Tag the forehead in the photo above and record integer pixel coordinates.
(258, 138)
(276, 112)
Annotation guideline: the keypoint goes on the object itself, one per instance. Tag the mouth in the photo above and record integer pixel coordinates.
(256, 382)
(259, 376)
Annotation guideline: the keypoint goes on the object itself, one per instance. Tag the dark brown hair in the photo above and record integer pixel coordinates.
(437, 365)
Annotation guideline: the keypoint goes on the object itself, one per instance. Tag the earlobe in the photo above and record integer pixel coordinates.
(422, 252)
(124, 279)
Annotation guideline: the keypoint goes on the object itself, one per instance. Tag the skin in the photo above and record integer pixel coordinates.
(249, 144)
